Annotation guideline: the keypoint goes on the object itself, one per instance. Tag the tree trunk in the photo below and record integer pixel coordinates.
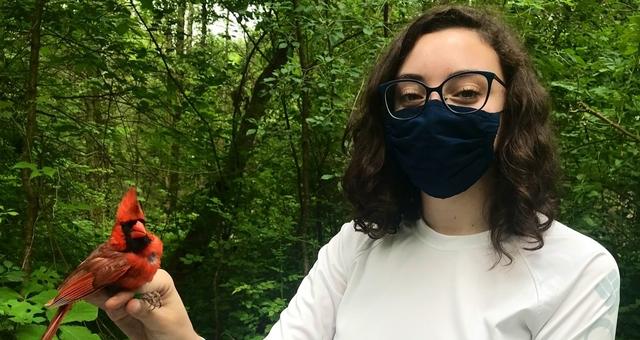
(305, 109)
(173, 183)
(182, 6)
(172, 179)
(95, 150)
(204, 21)
(31, 95)
(189, 26)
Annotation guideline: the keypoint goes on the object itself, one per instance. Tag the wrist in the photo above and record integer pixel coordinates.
(185, 327)
(190, 334)
(183, 334)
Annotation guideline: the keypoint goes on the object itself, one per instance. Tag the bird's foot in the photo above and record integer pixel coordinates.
(153, 299)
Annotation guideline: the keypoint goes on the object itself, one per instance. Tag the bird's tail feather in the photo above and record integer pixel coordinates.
(55, 322)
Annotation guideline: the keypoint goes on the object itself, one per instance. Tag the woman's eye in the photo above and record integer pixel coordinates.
(467, 94)
(411, 97)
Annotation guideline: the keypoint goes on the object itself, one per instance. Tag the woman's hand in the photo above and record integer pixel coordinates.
(139, 320)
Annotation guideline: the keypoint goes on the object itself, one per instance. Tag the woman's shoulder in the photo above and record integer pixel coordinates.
(569, 259)
(565, 245)
(574, 276)
(360, 242)
(353, 239)
(348, 244)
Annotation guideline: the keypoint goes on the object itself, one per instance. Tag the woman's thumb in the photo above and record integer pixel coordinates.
(139, 309)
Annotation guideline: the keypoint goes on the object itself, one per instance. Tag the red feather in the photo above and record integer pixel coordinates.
(129, 208)
(123, 262)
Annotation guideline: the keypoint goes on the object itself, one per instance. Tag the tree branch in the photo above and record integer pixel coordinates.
(613, 124)
(103, 95)
(246, 31)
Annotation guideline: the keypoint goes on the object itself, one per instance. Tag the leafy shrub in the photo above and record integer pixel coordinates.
(22, 311)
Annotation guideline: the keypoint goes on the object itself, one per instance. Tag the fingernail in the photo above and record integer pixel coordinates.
(134, 306)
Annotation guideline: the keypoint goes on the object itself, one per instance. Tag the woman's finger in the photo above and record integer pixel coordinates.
(143, 309)
(118, 314)
(118, 300)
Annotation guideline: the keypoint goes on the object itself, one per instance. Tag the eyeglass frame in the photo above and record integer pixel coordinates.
(490, 76)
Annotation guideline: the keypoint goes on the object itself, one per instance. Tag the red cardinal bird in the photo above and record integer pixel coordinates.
(128, 260)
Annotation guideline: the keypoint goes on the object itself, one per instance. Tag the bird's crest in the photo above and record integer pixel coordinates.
(129, 208)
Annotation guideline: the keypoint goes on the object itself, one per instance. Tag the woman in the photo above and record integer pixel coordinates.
(452, 178)
(453, 172)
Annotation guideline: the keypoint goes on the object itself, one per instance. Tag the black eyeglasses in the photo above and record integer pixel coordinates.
(463, 93)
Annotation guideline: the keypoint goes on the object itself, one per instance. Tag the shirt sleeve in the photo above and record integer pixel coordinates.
(590, 309)
(311, 313)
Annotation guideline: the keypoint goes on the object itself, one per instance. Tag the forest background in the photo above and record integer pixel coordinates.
(229, 115)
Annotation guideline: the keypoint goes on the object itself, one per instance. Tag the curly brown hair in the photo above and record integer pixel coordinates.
(525, 168)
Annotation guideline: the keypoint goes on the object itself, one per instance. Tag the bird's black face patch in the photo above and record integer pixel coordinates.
(134, 244)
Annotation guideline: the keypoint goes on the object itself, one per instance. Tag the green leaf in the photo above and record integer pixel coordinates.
(81, 311)
(13, 276)
(50, 313)
(122, 27)
(49, 171)
(30, 332)
(251, 132)
(32, 286)
(77, 333)
(25, 165)
(240, 288)
(7, 293)
(190, 258)
(21, 312)
(589, 221)
(234, 58)
(564, 85)
(147, 4)
(35, 173)
(43, 297)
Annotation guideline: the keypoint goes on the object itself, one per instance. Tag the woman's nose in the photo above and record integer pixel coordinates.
(434, 96)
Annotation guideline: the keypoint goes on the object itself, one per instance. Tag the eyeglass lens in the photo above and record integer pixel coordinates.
(465, 93)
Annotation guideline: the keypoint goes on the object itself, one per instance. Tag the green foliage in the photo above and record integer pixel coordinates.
(256, 306)
(22, 300)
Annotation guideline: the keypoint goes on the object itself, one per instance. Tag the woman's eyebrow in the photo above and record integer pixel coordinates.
(415, 76)
(455, 73)
(411, 76)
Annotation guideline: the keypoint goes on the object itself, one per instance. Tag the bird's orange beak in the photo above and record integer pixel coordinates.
(138, 230)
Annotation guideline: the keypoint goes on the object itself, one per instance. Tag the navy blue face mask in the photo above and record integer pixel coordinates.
(443, 153)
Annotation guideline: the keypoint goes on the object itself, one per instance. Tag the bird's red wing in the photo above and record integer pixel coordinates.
(102, 268)
(77, 287)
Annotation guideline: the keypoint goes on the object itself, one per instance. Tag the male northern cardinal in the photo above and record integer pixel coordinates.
(128, 260)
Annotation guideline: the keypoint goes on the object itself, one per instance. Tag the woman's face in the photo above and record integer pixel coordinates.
(438, 55)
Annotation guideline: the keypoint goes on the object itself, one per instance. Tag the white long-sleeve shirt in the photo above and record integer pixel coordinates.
(420, 284)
